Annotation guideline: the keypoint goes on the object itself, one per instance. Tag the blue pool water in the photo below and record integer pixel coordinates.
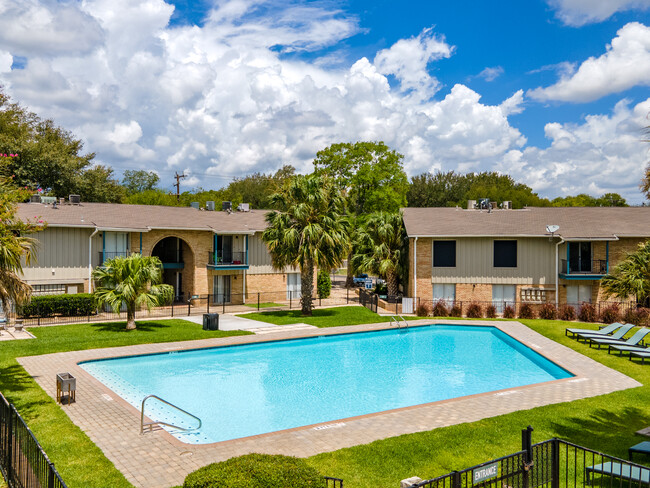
(245, 390)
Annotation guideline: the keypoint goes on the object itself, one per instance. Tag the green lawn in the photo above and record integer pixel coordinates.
(322, 317)
(264, 305)
(80, 462)
(606, 423)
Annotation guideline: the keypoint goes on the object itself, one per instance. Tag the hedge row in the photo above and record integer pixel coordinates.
(76, 305)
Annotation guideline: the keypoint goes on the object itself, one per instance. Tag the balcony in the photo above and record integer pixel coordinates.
(106, 255)
(593, 269)
(227, 260)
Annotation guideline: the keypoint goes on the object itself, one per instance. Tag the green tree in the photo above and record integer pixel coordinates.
(380, 246)
(153, 197)
(437, 190)
(631, 277)
(16, 247)
(323, 284)
(645, 183)
(310, 230)
(137, 181)
(131, 281)
(97, 184)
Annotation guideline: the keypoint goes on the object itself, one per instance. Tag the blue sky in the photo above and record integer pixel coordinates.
(553, 92)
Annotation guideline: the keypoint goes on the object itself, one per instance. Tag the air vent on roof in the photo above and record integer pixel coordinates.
(35, 198)
(194, 205)
(209, 206)
(471, 204)
(75, 199)
(507, 205)
(226, 206)
(244, 207)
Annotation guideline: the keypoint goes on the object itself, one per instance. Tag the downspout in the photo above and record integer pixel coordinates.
(557, 271)
(415, 269)
(90, 260)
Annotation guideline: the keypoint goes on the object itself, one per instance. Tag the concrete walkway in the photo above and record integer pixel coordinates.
(158, 460)
(13, 334)
(232, 322)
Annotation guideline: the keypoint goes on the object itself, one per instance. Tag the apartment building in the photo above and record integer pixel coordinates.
(216, 253)
(533, 255)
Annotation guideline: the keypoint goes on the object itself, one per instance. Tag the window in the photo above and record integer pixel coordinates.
(505, 254)
(48, 289)
(503, 295)
(576, 294)
(580, 257)
(536, 295)
(221, 289)
(444, 254)
(445, 292)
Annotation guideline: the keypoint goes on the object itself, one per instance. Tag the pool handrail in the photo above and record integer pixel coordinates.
(144, 424)
(397, 321)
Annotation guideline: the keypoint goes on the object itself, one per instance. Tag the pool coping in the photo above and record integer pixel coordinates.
(158, 459)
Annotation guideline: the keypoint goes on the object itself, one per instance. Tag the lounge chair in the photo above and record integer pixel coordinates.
(620, 332)
(632, 341)
(640, 354)
(604, 331)
(639, 475)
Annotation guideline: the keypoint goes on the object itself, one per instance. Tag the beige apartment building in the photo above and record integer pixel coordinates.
(533, 255)
(204, 252)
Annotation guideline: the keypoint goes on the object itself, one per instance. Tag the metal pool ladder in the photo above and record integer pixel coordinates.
(144, 424)
(398, 321)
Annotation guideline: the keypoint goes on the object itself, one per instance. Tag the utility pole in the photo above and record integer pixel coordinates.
(178, 184)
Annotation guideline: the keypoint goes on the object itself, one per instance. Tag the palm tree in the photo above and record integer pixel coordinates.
(131, 281)
(631, 276)
(378, 247)
(309, 232)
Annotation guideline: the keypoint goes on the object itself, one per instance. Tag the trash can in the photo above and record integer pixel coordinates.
(210, 321)
(66, 387)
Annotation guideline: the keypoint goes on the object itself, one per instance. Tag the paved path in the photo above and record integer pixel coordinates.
(158, 460)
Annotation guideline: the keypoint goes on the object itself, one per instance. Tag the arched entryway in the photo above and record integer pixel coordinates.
(178, 266)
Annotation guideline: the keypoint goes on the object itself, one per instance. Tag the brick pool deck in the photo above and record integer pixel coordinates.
(158, 460)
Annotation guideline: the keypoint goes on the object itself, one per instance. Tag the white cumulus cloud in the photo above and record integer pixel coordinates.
(580, 12)
(625, 64)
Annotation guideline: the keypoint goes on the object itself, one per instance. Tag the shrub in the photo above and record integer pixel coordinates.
(323, 284)
(548, 312)
(440, 309)
(456, 310)
(526, 311)
(256, 471)
(637, 316)
(509, 312)
(474, 311)
(610, 314)
(567, 312)
(491, 312)
(66, 305)
(381, 289)
(423, 310)
(587, 313)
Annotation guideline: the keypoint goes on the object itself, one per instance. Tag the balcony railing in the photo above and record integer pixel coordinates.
(593, 267)
(226, 258)
(106, 255)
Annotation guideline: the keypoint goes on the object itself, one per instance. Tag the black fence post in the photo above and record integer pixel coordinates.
(10, 436)
(172, 308)
(50, 475)
(555, 463)
(189, 306)
(223, 303)
(208, 300)
(455, 479)
(347, 296)
(258, 301)
(290, 295)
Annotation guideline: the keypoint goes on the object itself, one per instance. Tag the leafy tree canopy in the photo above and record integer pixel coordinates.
(370, 173)
(136, 181)
(51, 158)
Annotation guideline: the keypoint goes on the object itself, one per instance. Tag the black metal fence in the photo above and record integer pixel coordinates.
(333, 482)
(369, 300)
(23, 462)
(554, 463)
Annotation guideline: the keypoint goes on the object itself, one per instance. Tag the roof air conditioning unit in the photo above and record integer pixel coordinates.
(36, 198)
(209, 206)
(471, 204)
(244, 207)
(74, 199)
(226, 206)
(483, 203)
(507, 205)
(194, 205)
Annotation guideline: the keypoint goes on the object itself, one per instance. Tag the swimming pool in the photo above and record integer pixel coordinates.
(252, 389)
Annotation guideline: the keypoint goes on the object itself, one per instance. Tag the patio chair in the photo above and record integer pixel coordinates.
(637, 474)
(604, 331)
(640, 354)
(632, 341)
(620, 332)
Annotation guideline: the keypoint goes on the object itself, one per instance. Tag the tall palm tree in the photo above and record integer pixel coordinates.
(378, 247)
(631, 276)
(132, 281)
(309, 232)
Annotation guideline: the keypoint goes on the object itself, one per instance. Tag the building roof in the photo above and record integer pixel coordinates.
(143, 218)
(575, 222)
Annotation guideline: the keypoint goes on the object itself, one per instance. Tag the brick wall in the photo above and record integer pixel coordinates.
(424, 268)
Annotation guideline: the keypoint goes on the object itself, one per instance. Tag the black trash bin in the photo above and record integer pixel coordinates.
(210, 321)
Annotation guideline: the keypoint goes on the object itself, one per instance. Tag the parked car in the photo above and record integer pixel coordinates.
(360, 279)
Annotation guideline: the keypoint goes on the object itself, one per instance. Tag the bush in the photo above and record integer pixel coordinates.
(587, 313)
(526, 311)
(323, 284)
(637, 316)
(491, 312)
(440, 309)
(567, 312)
(474, 311)
(509, 312)
(423, 310)
(548, 312)
(381, 289)
(256, 471)
(610, 314)
(456, 311)
(66, 305)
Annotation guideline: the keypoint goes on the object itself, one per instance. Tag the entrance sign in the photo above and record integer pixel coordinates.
(485, 472)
